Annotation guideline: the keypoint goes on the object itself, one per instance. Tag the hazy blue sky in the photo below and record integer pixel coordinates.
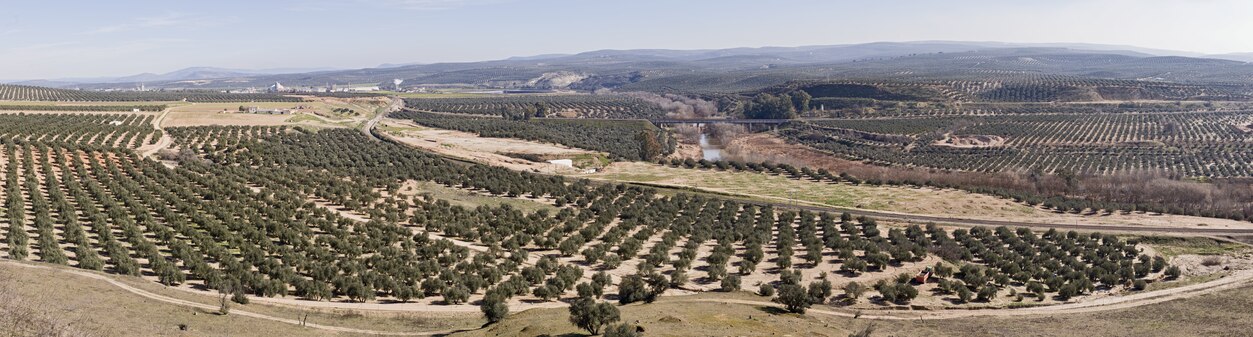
(52, 38)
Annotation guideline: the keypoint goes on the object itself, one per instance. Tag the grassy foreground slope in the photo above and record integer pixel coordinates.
(1219, 314)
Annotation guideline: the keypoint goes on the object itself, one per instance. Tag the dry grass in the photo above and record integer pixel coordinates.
(316, 113)
(1219, 314)
(885, 198)
(1210, 261)
(107, 310)
(1175, 246)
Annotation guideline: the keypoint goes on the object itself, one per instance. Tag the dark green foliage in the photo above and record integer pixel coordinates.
(590, 315)
(819, 291)
(1173, 272)
(765, 289)
(622, 330)
(794, 297)
(767, 106)
(730, 283)
(494, 308)
(631, 140)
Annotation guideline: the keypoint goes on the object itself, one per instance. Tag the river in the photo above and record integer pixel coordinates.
(709, 151)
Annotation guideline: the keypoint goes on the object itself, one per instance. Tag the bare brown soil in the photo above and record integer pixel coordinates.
(1247, 128)
(490, 151)
(971, 141)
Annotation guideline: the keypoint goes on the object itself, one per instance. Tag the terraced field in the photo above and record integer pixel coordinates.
(1183, 144)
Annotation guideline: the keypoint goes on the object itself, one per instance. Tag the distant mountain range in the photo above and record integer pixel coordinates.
(737, 68)
(186, 74)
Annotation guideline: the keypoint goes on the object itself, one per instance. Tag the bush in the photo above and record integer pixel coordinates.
(1211, 261)
(853, 291)
(765, 290)
(587, 314)
(1173, 272)
(794, 297)
(632, 289)
(1159, 263)
(494, 308)
(964, 295)
(456, 294)
(731, 283)
(678, 278)
(819, 291)
(622, 330)
(1066, 292)
(987, 293)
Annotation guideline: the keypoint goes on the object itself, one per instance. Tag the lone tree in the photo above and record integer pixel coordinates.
(819, 291)
(494, 308)
(853, 291)
(794, 297)
(587, 314)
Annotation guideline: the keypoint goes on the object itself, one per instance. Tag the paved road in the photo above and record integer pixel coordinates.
(368, 127)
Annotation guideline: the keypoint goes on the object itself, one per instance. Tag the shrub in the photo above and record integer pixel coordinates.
(794, 297)
(987, 293)
(730, 283)
(1173, 272)
(587, 314)
(819, 291)
(494, 308)
(853, 291)
(622, 330)
(1211, 261)
(765, 290)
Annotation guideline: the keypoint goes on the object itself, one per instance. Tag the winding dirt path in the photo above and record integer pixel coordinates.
(164, 142)
(212, 308)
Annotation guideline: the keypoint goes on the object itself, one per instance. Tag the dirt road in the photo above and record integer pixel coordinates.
(163, 142)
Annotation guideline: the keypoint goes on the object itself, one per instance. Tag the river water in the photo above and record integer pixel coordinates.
(709, 151)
